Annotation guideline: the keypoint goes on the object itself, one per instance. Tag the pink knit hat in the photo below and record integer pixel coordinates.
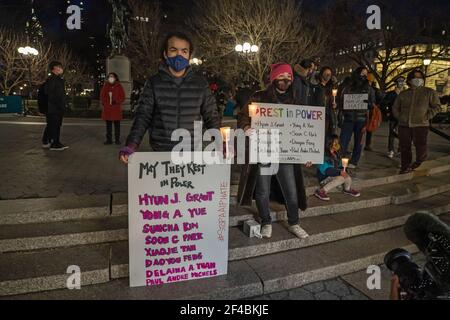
(280, 68)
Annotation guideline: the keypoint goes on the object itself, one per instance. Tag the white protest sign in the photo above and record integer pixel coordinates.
(178, 219)
(301, 131)
(356, 101)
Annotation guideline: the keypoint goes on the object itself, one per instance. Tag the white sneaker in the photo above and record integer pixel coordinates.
(298, 231)
(46, 146)
(391, 154)
(351, 166)
(266, 231)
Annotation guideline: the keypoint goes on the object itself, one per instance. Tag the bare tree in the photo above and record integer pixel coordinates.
(387, 53)
(17, 69)
(278, 28)
(143, 45)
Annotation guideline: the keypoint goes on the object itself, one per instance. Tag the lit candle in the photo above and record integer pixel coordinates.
(252, 110)
(225, 131)
(335, 92)
(345, 163)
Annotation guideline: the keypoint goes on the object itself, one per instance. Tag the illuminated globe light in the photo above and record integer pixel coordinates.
(239, 48)
(247, 47)
(427, 62)
(254, 48)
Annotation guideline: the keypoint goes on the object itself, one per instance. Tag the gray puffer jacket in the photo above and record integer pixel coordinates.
(168, 103)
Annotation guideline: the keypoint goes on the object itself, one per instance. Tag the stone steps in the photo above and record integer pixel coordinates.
(24, 237)
(246, 278)
(73, 207)
(35, 270)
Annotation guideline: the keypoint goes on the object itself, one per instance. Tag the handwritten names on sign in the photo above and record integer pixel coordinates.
(178, 219)
(301, 132)
(356, 101)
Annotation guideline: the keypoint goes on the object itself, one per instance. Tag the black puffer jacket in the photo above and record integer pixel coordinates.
(56, 93)
(356, 87)
(167, 104)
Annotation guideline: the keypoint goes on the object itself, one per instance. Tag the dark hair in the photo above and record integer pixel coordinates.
(54, 64)
(329, 143)
(412, 74)
(325, 68)
(114, 74)
(179, 35)
(306, 63)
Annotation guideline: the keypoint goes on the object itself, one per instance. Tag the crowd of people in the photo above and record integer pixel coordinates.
(176, 96)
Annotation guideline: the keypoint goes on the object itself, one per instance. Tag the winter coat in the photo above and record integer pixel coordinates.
(112, 104)
(416, 107)
(356, 115)
(322, 96)
(249, 174)
(56, 93)
(168, 103)
(302, 87)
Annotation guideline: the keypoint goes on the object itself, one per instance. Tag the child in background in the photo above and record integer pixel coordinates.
(331, 173)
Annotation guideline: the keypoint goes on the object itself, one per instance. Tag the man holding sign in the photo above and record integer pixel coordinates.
(289, 176)
(356, 101)
(174, 98)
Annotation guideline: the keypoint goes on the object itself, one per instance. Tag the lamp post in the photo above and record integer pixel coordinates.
(247, 49)
(30, 53)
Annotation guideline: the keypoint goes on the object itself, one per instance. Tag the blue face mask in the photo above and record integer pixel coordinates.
(178, 63)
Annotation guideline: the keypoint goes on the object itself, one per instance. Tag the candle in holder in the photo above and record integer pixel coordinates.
(345, 163)
(225, 131)
(335, 93)
(252, 109)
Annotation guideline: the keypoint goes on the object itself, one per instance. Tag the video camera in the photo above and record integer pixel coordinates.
(432, 282)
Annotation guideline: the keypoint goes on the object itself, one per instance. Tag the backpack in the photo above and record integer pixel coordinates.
(42, 98)
(375, 119)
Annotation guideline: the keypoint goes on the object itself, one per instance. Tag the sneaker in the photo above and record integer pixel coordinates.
(353, 193)
(266, 231)
(351, 166)
(298, 231)
(322, 195)
(46, 145)
(58, 147)
(391, 154)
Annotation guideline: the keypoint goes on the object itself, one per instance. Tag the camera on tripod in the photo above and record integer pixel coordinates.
(432, 282)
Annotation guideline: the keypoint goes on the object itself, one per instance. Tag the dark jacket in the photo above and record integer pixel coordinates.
(387, 103)
(356, 115)
(302, 87)
(55, 89)
(249, 174)
(322, 96)
(416, 107)
(167, 104)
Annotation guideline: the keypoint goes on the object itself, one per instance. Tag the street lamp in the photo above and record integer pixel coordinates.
(29, 52)
(246, 48)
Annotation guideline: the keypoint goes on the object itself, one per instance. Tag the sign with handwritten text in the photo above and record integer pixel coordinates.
(356, 101)
(301, 132)
(178, 219)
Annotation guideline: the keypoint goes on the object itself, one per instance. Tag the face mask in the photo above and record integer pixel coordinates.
(363, 77)
(111, 80)
(400, 84)
(178, 63)
(327, 78)
(283, 85)
(417, 82)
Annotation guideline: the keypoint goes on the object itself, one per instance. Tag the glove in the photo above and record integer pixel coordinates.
(127, 150)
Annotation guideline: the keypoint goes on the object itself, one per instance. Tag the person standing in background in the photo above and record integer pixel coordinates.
(387, 104)
(112, 97)
(56, 99)
(415, 108)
